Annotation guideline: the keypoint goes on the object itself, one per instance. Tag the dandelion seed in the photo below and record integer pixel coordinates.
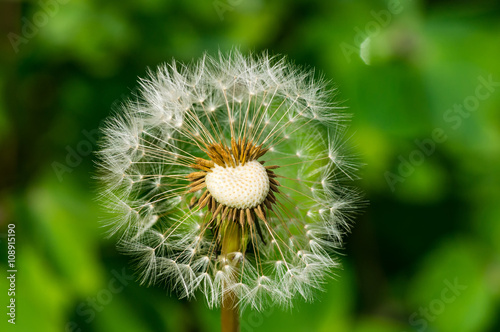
(239, 195)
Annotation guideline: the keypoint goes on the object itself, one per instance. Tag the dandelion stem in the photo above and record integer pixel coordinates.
(230, 316)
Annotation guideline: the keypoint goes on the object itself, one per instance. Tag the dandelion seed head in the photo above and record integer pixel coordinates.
(247, 148)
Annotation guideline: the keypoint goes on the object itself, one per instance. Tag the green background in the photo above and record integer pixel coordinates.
(433, 218)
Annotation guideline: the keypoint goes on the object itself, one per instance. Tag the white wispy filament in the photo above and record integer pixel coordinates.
(158, 148)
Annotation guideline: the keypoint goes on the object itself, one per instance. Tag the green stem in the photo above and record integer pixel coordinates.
(230, 316)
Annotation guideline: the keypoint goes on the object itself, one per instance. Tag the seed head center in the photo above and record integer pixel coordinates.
(240, 187)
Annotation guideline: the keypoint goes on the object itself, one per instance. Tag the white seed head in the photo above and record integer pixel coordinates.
(172, 201)
(240, 187)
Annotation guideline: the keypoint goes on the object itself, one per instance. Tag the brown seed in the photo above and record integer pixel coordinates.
(231, 214)
(217, 211)
(215, 156)
(225, 212)
(261, 153)
(271, 197)
(273, 181)
(219, 149)
(228, 157)
(271, 174)
(198, 187)
(249, 217)
(196, 175)
(203, 168)
(260, 214)
(246, 151)
(234, 149)
(242, 218)
(253, 152)
(197, 182)
(213, 205)
(192, 202)
(204, 162)
(268, 204)
(204, 199)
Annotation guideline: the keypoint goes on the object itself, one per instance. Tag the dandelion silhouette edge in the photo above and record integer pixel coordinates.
(247, 145)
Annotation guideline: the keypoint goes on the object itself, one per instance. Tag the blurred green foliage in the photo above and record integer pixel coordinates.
(433, 219)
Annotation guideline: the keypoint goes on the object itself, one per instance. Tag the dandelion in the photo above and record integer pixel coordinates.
(228, 178)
